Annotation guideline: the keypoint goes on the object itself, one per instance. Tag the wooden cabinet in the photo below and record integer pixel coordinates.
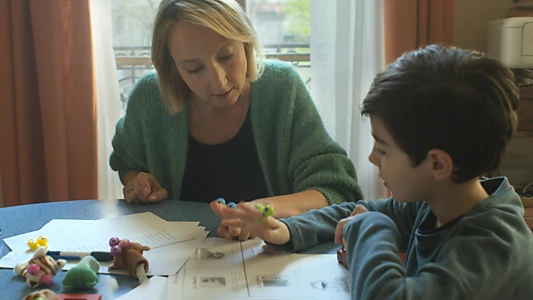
(525, 113)
(517, 163)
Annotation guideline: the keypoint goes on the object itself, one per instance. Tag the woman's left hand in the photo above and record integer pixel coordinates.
(229, 232)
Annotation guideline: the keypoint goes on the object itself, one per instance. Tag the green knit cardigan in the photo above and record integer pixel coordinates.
(295, 151)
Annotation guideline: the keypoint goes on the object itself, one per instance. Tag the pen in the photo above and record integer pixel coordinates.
(98, 255)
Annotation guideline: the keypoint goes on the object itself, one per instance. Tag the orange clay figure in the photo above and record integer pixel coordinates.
(128, 256)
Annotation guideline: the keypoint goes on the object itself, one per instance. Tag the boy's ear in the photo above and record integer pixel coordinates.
(441, 164)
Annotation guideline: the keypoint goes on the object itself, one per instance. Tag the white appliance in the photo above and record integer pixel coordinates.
(511, 41)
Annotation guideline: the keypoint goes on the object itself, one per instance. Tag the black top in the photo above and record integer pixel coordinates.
(230, 170)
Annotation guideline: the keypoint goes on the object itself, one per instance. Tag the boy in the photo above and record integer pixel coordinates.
(441, 118)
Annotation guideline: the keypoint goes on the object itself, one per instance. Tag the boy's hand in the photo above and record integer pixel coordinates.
(248, 218)
(359, 209)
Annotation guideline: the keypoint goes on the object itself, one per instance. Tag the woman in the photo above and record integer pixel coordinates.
(218, 121)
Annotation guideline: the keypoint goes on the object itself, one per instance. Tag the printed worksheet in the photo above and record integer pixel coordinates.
(154, 288)
(223, 269)
(298, 276)
(214, 270)
(93, 235)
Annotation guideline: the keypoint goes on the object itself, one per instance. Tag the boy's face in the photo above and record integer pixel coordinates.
(406, 183)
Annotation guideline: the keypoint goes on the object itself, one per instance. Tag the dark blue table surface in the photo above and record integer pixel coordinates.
(25, 218)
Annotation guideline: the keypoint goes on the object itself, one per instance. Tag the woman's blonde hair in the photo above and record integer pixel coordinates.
(225, 17)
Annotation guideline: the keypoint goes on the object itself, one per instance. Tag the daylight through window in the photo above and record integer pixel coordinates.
(283, 26)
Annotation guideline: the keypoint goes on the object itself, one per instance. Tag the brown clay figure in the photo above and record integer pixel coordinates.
(128, 256)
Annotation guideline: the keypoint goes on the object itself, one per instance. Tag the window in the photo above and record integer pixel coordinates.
(283, 27)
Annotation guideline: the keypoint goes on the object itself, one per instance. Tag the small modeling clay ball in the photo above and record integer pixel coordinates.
(32, 243)
(41, 241)
(40, 269)
(46, 280)
(267, 210)
(83, 276)
(116, 250)
(34, 269)
(114, 241)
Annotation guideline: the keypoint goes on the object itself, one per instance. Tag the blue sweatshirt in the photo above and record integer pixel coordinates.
(485, 254)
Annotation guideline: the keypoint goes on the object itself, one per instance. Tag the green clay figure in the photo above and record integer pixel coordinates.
(83, 276)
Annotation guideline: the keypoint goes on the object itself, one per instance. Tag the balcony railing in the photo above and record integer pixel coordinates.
(134, 62)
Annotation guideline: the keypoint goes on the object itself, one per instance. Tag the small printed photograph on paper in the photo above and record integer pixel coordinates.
(211, 282)
(339, 284)
(206, 254)
(273, 281)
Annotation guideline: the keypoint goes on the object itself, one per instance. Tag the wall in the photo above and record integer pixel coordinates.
(471, 17)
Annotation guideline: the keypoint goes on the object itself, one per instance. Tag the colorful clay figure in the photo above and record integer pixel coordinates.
(41, 241)
(45, 294)
(40, 269)
(83, 276)
(128, 256)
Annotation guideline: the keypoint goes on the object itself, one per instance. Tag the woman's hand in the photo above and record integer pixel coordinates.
(143, 187)
(247, 217)
(229, 232)
(359, 209)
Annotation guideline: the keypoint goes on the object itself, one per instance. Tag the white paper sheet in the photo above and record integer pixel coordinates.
(93, 235)
(222, 269)
(168, 260)
(154, 288)
(299, 276)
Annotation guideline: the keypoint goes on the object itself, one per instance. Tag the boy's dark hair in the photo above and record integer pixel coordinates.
(459, 101)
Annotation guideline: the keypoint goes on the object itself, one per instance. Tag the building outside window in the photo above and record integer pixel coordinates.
(283, 26)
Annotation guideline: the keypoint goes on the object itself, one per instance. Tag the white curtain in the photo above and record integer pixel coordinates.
(347, 51)
(108, 97)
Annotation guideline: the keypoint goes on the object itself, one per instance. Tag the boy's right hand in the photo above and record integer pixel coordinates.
(248, 217)
(143, 187)
(359, 209)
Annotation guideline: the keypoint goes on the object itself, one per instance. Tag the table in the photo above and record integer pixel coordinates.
(25, 218)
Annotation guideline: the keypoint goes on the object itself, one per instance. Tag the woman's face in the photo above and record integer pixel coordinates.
(213, 67)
